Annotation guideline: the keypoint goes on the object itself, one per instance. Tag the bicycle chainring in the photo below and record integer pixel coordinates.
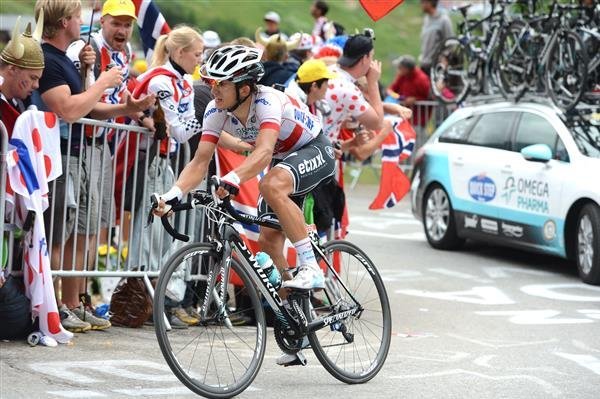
(285, 341)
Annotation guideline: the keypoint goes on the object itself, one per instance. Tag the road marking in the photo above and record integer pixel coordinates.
(418, 236)
(548, 387)
(550, 291)
(77, 394)
(490, 344)
(506, 272)
(483, 361)
(583, 346)
(464, 276)
(477, 295)
(432, 356)
(588, 361)
(118, 368)
(534, 317)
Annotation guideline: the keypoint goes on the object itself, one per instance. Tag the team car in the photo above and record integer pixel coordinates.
(523, 175)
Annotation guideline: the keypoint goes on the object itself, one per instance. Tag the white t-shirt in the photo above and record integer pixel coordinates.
(345, 100)
(269, 109)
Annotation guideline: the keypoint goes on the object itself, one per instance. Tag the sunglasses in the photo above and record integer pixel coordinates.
(212, 82)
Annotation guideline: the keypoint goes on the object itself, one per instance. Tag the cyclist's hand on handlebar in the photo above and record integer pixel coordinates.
(162, 204)
(228, 184)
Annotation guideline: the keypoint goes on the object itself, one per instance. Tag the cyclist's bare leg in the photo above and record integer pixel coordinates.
(275, 188)
(272, 241)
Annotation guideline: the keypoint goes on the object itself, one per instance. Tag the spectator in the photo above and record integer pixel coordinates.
(175, 57)
(300, 54)
(437, 27)
(272, 21)
(345, 99)
(211, 42)
(276, 52)
(318, 10)
(19, 73)
(410, 85)
(111, 47)
(74, 230)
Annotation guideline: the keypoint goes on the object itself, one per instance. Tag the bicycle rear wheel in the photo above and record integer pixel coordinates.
(361, 359)
(449, 73)
(219, 357)
(566, 70)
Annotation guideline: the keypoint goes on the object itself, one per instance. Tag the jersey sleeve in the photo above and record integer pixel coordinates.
(212, 123)
(355, 102)
(269, 111)
(181, 126)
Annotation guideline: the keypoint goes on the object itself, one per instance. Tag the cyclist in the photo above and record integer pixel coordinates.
(284, 133)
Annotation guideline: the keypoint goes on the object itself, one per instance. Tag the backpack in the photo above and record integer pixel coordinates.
(15, 311)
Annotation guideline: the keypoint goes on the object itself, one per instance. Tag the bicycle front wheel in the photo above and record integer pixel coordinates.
(352, 350)
(220, 356)
(449, 72)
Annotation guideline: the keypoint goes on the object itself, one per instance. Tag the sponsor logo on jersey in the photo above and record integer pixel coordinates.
(262, 101)
(182, 108)
(330, 152)
(482, 188)
(162, 94)
(210, 112)
(309, 165)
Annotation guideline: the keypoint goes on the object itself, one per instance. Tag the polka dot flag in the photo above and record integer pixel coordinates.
(33, 160)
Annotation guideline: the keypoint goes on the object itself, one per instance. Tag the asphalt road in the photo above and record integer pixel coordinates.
(485, 322)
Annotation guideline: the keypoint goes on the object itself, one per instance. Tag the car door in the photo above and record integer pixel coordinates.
(530, 191)
(475, 171)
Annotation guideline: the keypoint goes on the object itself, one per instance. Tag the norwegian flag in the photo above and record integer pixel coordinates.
(32, 161)
(397, 146)
(246, 201)
(152, 24)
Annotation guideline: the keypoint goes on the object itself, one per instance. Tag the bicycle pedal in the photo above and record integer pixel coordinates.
(299, 361)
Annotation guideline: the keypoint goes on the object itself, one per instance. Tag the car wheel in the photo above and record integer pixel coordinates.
(438, 219)
(588, 244)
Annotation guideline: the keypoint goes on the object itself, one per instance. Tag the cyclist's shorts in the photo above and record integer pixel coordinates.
(309, 166)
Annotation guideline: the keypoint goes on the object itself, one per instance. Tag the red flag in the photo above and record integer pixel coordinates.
(245, 201)
(397, 146)
(378, 9)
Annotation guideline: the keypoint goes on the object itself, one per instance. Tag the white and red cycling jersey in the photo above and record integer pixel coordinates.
(269, 109)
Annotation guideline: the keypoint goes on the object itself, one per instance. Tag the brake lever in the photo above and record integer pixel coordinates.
(154, 204)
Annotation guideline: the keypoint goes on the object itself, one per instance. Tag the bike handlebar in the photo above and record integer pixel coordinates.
(210, 199)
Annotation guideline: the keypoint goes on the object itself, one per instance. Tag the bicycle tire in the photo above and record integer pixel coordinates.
(329, 343)
(511, 62)
(207, 344)
(450, 70)
(565, 73)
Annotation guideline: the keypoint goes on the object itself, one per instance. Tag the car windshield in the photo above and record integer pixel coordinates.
(587, 138)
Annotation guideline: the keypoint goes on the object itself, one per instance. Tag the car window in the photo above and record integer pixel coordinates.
(587, 138)
(458, 131)
(535, 129)
(492, 130)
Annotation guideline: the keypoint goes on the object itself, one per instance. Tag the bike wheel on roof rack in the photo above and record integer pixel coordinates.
(449, 72)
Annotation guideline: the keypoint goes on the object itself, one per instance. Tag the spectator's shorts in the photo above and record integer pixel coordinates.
(309, 166)
(81, 196)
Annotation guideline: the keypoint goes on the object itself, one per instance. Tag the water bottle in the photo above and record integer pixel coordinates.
(266, 263)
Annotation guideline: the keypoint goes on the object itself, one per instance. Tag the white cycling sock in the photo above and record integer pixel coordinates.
(305, 253)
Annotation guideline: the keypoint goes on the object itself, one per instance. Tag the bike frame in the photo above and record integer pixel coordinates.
(226, 241)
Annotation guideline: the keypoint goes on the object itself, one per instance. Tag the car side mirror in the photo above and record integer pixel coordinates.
(537, 153)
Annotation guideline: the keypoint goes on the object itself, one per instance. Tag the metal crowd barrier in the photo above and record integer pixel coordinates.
(93, 162)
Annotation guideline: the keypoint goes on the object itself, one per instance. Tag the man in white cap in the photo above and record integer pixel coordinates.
(211, 42)
(272, 21)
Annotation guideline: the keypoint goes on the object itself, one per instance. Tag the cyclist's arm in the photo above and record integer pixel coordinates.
(195, 171)
(260, 158)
